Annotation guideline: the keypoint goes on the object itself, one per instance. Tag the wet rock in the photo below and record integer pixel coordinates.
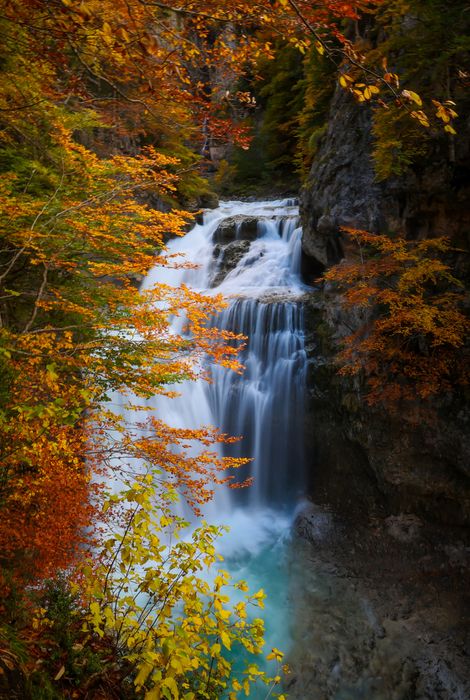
(368, 621)
(279, 296)
(313, 523)
(237, 228)
(404, 527)
(226, 258)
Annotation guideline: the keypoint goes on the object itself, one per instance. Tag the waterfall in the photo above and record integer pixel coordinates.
(250, 252)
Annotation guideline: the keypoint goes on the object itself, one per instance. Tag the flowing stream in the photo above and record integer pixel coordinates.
(250, 252)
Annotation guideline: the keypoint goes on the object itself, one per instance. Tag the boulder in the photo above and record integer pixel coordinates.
(243, 228)
(227, 258)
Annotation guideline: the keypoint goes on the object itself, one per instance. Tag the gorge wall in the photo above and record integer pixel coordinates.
(360, 456)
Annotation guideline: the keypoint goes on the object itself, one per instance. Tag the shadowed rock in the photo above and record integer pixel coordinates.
(242, 228)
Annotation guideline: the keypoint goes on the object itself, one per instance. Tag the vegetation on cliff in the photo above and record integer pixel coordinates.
(411, 345)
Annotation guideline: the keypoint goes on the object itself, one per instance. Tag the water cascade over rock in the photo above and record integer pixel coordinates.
(250, 252)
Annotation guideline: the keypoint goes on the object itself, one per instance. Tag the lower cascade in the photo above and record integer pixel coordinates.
(250, 253)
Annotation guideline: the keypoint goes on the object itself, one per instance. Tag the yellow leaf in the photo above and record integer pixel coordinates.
(143, 674)
(421, 117)
(225, 640)
(413, 96)
(60, 673)
(95, 609)
(450, 129)
(107, 33)
(275, 654)
(170, 683)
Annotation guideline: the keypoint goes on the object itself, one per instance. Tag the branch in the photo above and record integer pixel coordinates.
(19, 107)
(329, 52)
(38, 298)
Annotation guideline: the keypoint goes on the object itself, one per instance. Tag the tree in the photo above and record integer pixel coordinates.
(149, 617)
(411, 344)
(103, 107)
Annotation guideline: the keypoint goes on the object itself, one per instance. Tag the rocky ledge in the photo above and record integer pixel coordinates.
(226, 258)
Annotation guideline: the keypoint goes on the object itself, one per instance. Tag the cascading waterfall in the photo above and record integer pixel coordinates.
(265, 406)
(250, 252)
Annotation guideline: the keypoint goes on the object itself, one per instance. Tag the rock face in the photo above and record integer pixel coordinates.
(431, 200)
(381, 556)
(364, 458)
(379, 609)
(360, 457)
(341, 190)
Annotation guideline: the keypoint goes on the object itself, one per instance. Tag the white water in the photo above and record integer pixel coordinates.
(265, 404)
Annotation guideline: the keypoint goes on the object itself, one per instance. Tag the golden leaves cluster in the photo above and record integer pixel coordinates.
(412, 342)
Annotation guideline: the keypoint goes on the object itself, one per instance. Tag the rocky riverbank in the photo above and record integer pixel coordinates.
(381, 608)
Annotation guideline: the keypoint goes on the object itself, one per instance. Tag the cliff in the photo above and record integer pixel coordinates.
(382, 606)
(363, 456)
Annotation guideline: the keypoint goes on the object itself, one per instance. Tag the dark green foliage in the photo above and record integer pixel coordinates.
(427, 43)
(293, 103)
(269, 163)
(318, 85)
(282, 99)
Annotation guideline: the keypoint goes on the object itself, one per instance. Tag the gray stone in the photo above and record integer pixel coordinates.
(375, 624)
(236, 228)
(226, 258)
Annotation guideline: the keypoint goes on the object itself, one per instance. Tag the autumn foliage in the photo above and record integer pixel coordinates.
(411, 344)
(106, 108)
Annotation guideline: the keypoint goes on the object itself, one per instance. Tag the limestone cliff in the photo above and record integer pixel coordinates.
(362, 456)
